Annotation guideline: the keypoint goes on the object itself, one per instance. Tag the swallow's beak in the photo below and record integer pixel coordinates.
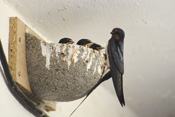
(112, 32)
(88, 45)
(100, 48)
(70, 42)
(90, 41)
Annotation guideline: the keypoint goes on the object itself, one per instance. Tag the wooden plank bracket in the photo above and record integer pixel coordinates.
(17, 61)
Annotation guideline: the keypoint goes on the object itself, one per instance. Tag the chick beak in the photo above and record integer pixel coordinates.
(88, 45)
(100, 48)
(70, 42)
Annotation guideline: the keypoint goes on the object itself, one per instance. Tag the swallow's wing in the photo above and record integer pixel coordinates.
(116, 68)
(115, 56)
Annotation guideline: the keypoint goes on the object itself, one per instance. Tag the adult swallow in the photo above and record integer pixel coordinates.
(115, 63)
(66, 41)
(95, 46)
(84, 42)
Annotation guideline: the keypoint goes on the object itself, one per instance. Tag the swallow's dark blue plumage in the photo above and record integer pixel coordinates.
(84, 42)
(66, 41)
(115, 63)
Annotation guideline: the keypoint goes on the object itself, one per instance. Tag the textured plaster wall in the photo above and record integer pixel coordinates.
(149, 49)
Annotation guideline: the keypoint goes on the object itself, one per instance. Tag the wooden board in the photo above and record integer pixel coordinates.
(17, 57)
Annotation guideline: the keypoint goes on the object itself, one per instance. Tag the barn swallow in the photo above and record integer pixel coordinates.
(66, 41)
(84, 42)
(95, 46)
(115, 64)
(115, 61)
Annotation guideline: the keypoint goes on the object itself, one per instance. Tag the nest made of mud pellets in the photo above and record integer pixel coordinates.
(61, 72)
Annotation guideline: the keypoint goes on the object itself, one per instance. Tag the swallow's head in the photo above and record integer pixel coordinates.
(95, 46)
(118, 34)
(66, 41)
(99, 48)
(84, 42)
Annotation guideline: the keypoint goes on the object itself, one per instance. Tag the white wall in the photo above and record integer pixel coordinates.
(149, 49)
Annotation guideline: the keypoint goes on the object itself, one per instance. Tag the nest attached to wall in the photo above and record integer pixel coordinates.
(61, 72)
